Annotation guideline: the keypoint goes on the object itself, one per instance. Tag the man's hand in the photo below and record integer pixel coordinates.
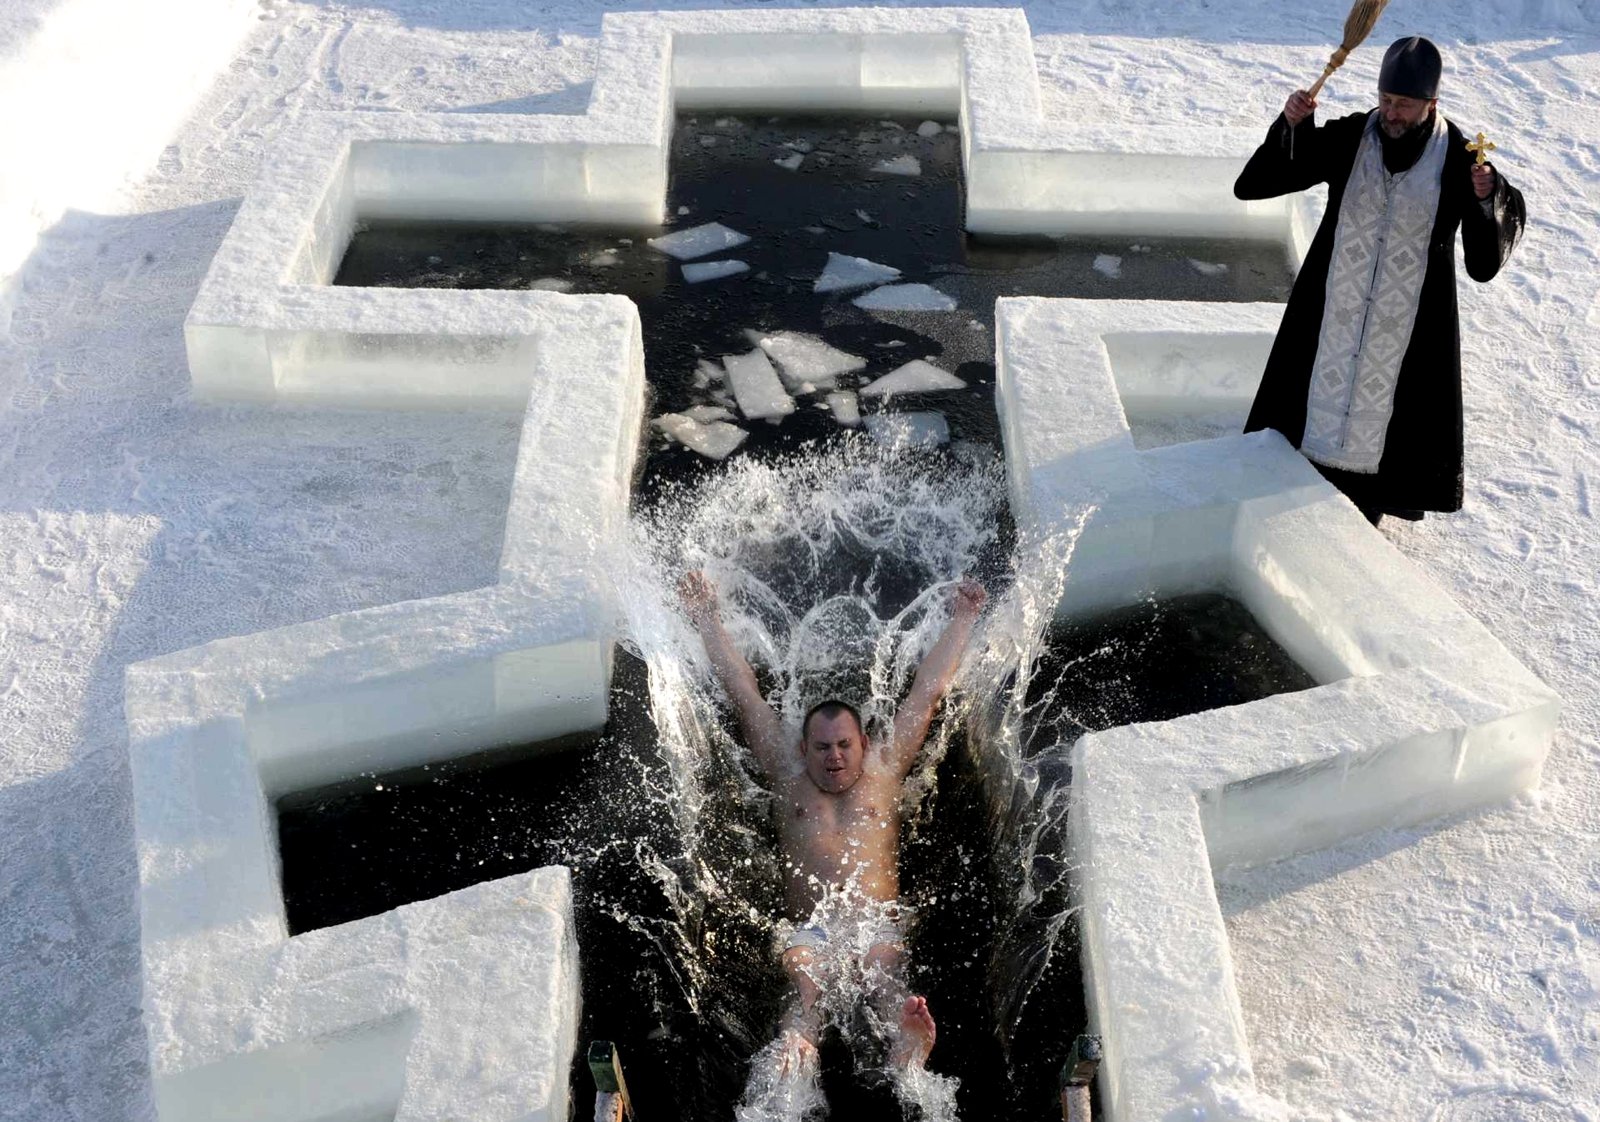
(1483, 180)
(1299, 106)
(698, 594)
(970, 597)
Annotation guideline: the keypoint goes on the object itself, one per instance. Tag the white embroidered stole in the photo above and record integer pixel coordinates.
(1380, 256)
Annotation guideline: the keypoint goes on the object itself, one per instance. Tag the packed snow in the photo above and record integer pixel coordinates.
(1445, 972)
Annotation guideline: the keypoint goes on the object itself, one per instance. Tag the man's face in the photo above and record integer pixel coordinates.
(1397, 115)
(834, 751)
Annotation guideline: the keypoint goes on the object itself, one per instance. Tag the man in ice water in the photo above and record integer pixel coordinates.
(838, 810)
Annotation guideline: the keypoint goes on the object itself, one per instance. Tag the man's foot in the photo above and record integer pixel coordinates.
(796, 1056)
(915, 1040)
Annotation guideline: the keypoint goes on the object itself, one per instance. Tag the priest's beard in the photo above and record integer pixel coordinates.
(1402, 150)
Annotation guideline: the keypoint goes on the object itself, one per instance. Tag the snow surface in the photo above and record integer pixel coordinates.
(1447, 971)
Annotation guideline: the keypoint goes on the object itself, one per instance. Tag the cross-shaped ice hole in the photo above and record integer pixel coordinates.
(464, 1005)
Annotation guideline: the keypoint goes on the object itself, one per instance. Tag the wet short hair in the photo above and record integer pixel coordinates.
(832, 707)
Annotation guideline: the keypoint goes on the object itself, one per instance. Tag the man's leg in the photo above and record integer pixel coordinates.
(910, 1025)
(802, 1024)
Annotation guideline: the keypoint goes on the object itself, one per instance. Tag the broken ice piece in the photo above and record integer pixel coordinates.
(756, 387)
(845, 408)
(1208, 268)
(929, 128)
(900, 165)
(908, 430)
(866, 218)
(906, 298)
(792, 162)
(844, 272)
(805, 360)
(705, 414)
(683, 210)
(815, 229)
(605, 259)
(713, 270)
(697, 241)
(916, 376)
(801, 145)
(715, 440)
(1109, 264)
(551, 284)
(706, 372)
(708, 142)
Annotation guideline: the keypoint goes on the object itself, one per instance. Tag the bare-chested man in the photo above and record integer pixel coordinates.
(838, 808)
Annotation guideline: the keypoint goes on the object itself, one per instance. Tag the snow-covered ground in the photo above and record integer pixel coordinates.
(1447, 973)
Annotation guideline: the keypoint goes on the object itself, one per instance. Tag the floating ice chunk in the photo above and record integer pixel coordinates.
(901, 165)
(713, 270)
(705, 414)
(805, 360)
(683, 210)
(552, 284)
(605, 259)
(697, 241)
(845, 408)
(1109, 264)
(929, 128)
(866, 218)
(893, 343)
(715, 440)
(799, 145)
(756, 386)
(908, 430)
(707, 372)
(844, 272)
(893, 126)
(815, 229)
(1208, 268)
(792, 161)
(1137, 248)
(915, 376)
(952, 128)
(906, 298)
(708, 142)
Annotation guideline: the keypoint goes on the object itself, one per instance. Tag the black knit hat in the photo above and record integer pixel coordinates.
(1411, 68)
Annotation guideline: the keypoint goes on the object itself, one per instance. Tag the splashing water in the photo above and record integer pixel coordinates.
(834, 569)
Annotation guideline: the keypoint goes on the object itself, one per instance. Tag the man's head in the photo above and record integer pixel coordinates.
(833, 746)
(1408, 85)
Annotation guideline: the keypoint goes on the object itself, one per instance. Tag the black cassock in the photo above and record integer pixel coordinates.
(1421, 465)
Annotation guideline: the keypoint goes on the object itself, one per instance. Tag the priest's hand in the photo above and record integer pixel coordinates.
(1299, 106)
(1483, 180)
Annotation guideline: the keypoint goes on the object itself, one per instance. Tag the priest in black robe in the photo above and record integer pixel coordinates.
(1365, 375)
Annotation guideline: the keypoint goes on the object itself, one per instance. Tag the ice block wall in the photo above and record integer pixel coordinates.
(1419, 711)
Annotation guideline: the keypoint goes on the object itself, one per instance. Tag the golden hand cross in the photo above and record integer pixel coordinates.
(1482, 147)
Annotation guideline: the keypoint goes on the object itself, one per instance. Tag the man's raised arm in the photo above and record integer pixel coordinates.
(933, 678)
(763, 733)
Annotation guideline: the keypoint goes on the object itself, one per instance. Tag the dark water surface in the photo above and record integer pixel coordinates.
(361, 848)
(602, 805)
(722, 170)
